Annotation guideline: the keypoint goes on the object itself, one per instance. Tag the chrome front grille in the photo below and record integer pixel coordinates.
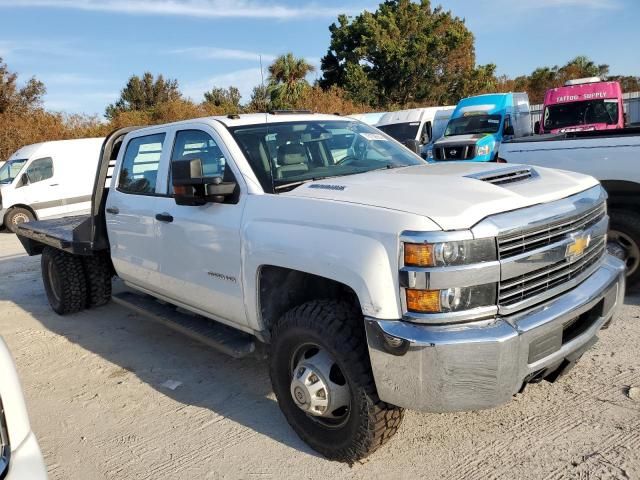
(529, 240)
(537, 282)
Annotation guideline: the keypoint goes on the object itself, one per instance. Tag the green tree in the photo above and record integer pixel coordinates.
(259, 101)
(403, 53)
(287, 80)
(227, 99)
(144, 93)
(14, 98)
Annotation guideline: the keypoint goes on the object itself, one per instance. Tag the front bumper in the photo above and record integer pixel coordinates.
(483, 364)
(3, 211)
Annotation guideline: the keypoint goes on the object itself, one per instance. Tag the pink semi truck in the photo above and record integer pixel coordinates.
(582, 105)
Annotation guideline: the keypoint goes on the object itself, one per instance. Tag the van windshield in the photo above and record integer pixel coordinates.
(581, 113)
(286, 155)
(473, 123)
(11, 170)
(401, 131)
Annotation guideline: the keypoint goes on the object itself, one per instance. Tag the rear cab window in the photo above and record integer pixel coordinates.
(140, 164)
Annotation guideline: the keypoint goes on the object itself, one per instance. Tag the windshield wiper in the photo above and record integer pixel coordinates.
(292, 185)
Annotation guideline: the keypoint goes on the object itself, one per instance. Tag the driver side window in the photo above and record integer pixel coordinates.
(39, 170)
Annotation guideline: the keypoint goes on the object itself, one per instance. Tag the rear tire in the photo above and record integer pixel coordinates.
(625, 231)
(98, 274)
(337, 329)
(16, 216)
(64, 281)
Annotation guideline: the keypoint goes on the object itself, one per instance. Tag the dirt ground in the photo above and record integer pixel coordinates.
(93, 384)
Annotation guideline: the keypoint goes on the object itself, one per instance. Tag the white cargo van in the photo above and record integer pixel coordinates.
(423, 125)
(46, 180)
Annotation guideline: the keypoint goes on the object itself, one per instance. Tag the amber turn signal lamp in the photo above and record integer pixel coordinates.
(418, 255)
(423, 301)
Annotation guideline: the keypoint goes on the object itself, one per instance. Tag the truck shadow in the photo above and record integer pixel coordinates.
(239, 390)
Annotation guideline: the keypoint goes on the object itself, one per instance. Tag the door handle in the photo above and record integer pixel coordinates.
(54, 184)
(164, 217)
(113, 210)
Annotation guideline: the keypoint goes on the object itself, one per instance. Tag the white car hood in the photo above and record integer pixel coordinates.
(445, 192)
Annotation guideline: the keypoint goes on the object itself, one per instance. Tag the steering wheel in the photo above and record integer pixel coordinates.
(348, 160)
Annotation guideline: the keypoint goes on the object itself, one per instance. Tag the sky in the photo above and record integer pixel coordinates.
(85, 50)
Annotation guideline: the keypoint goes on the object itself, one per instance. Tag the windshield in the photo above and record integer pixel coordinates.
(401, 131)
(11, 170)
(473, 123)
(284, 155)
(581, 113)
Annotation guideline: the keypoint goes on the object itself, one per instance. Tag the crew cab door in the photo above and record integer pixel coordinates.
(199, 246)
(131, 207)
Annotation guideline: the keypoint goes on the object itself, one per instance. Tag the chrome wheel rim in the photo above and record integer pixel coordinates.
(626, 249)
(318, 386)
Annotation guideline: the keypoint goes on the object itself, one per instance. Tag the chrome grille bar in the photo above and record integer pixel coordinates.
(509, 246)
(530, 285)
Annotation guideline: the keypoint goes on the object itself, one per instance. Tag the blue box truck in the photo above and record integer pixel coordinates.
(479, 124)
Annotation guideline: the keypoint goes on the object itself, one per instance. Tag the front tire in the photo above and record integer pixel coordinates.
(64, 281)
(335, 329)
(16, 216)
(624, 242)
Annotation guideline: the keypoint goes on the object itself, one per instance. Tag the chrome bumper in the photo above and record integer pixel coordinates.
(483, 364)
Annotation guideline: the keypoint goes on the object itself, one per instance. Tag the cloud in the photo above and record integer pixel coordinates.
(222, 54)
(93, 102)
(592, 4)
(192, 8)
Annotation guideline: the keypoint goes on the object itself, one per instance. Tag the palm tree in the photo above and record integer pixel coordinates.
(287, 80)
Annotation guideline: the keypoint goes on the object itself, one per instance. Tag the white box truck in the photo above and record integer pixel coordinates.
(48, 180)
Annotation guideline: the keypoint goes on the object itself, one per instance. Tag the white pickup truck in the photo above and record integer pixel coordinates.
(611, 156)
(372, 280)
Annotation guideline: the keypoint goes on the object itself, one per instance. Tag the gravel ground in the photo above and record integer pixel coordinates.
(94, 388)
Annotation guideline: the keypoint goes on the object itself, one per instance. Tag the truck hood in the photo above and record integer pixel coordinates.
(448, 193)
(458, 139)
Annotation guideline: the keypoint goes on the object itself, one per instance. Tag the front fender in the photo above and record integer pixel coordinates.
(360, 262)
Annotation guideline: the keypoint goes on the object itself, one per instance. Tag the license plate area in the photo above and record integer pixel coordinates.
(577, 326)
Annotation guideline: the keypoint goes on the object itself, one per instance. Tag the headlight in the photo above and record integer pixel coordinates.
(449, 253)
(483, 150)
(451, 299)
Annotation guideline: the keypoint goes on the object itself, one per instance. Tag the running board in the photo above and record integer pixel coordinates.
(216, 335)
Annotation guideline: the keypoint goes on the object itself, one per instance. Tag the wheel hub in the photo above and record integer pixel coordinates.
(313, 390)
(20, 218)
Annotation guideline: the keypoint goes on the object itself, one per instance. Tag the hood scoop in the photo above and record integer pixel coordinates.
(506, 175)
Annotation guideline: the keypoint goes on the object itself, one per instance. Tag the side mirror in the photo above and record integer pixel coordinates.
(508, 130)
(191, 188)
(536, 128)
(413, 145)
(24, 181)
(427, 133)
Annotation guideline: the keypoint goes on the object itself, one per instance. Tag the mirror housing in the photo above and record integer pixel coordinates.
(413, 145)
(24, 181)
(536, 127)
(427, 133)
(508, 130)
(191, 188)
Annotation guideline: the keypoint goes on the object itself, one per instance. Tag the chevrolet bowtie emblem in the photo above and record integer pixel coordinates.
(577, 247)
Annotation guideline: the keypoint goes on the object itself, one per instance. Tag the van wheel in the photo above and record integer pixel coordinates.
(16, 216)
(64, 281)
(98, 274)
(321, 375)
(624, 242)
